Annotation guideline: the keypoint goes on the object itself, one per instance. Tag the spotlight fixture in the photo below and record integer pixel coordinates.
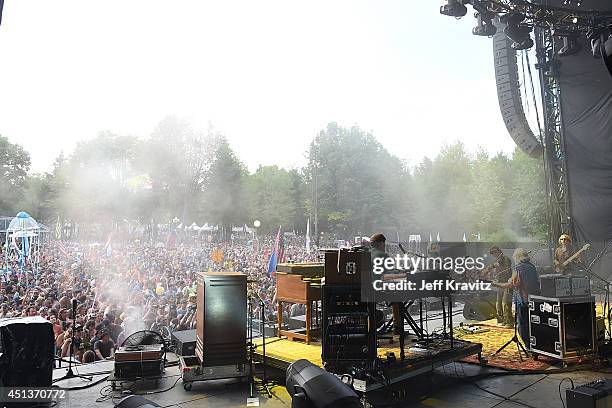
(485, 27)
(453, 8)
(311, 387)
(518, 32)
(136, 401)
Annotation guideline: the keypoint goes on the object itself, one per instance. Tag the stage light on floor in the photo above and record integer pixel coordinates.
(312, 387)
(453, 8)
(518, 32)
(136, 401)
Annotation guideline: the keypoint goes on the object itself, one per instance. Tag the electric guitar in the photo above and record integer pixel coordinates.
(561, 267)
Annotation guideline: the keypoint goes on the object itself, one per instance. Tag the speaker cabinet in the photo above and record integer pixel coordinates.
(27, 348)
(221, 318)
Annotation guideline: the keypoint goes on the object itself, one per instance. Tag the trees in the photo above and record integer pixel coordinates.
(355, 182)
(224, 198)
(276, 197)
(14, 167)
(350, 186)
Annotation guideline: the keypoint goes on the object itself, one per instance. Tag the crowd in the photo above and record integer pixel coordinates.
(122, 288)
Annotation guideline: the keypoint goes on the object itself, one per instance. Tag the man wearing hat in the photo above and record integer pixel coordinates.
(563, 252)
(378, 244)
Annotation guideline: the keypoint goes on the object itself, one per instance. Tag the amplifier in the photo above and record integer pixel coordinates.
(555, 286)
(592, 395)
(345, 266)
(562, 327)
(139, 361)
(581, 285)
(128, 370)
(349, 327)
(139, 353)
(185, 342)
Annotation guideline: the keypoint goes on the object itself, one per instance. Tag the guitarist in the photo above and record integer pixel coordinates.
(500, 270)
(563, 252)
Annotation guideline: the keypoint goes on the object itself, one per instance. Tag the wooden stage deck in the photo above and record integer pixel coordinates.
(281, 352)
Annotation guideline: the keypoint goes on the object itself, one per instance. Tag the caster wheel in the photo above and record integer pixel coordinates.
(187, 386)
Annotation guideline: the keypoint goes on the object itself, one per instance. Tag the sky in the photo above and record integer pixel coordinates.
(268, 74)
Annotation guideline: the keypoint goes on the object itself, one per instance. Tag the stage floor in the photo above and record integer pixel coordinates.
(450, 386)
(281, 352)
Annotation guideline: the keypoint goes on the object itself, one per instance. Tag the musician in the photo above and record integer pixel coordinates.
(525, 281)
(500, 270)
(562, 253)
(378, 243)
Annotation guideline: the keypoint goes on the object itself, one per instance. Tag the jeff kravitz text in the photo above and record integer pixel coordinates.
(430, 286)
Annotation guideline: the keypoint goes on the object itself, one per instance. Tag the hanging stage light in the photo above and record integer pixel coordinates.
(453, 8)
(519, 33)
(485, 27)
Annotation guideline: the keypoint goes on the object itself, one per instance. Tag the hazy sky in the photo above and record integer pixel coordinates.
(268, 74)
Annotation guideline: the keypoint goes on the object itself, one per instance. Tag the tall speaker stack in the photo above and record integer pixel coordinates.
(221, 318)
(349, 325)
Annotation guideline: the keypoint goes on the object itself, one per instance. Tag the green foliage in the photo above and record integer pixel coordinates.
(355, 180)
(14, 167)
(275, 197)
(224, 198)
(352, 185)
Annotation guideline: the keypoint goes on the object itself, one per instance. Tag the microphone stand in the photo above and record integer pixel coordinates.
(514, 339)
(70, 373)
(264, 380)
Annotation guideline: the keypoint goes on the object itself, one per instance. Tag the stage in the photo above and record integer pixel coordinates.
(452, 385)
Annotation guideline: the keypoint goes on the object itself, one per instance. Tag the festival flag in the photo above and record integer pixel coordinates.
(58, 229)
(281, 248)
(308, 235)
(62, 248)
(430, 238)
(464, 237)
(275, 255)
(107, 247)
(438, 237)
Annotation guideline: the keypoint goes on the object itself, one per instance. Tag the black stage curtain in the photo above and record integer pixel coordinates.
(586, 109)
